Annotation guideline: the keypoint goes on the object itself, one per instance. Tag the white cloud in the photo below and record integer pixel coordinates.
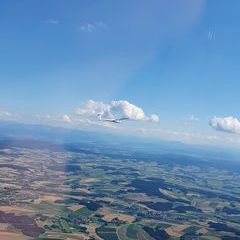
(154, 118)
(226, 124)
(66, 118)
(116, 109)
(47, 117)
(91, 27)
(126, 109)
(192, 137)
(192, 118)
(5, 114)
(52, 21)
(52, 119)
(92, 108)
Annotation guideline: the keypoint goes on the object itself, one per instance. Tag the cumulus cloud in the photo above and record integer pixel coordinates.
(116, 109)
(154, 118)
(92, 108)
(66, 118)
(226, 124)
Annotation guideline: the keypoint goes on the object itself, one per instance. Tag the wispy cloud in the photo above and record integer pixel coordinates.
(226, 124)
(52, 21)
(9, 116)
(52, 119)
(92, 27)
(43, 117)
(192, 137)
(210, 35)
(5, 114)
(191, 119)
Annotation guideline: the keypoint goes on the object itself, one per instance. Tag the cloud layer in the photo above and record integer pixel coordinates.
(5, 114)
(116, 109)
(226, 124)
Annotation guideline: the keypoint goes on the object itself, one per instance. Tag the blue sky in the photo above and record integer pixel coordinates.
(176, 59)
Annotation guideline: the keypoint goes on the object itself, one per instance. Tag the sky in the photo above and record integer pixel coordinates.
(171, 67)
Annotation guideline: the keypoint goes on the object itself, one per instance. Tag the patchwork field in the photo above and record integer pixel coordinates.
(76, 193)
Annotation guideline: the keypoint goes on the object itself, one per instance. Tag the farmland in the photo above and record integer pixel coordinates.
(79, 193)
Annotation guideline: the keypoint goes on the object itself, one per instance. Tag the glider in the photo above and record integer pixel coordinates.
(114, 120)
